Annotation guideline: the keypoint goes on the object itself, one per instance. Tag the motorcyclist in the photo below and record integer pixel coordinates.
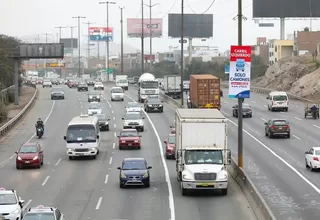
(40, 124)
(314, 108)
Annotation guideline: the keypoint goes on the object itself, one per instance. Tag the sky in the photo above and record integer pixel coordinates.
(27, 18)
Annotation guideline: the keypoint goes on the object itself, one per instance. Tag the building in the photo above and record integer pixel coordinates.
(306, 42)
(279, 49)
(261, 49)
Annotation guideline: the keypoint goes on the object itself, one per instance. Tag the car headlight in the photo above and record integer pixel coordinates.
(123, 176)
(186, 176)
(150, 105)
(223, 175)
(70, 149)
(15, 212)
(136, 141)
(126, 123)
(35, 158)
(19, 158)
(146, 175)
(90, 97)
(93, 149)
(160, 105)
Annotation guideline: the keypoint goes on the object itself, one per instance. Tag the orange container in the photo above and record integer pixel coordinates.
(205, 91)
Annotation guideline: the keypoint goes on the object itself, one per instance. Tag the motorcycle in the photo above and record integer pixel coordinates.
(39, 132)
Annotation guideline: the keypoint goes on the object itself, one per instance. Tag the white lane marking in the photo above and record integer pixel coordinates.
(165, 167)
(80, 103)
(58, 162)
(114, 125)
(281, 112)
(110, 161)
(280, 158)
(115, 134)
(106, 179)
(299, 119)
(12, 157)
(114, 118)
(108, 102)
(265, 106)
(296, 137)
(112, 112)
(316, 126)
(27, 204)
(263, 119)
(114, 145)
(99, 203)
(225, 102)
(45, 181)
(253, 101)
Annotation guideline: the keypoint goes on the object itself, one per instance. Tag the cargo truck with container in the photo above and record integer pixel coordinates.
(148, 87)
(201, 153)
(171, 86)
(122, 81)
(204, 92)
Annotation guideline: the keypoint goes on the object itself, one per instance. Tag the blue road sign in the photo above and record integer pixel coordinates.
(227, 69)
(101, 38)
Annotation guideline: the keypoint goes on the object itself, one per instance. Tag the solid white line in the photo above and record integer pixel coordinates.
(265, 106)
(115, 134)
(45, 181)
(316, 126)
(263, 119)
(106, 179)
(115, 125)
(58, 162)
(165, 167)
(114, 145)
(112, 112)
(253, 101)
(27, 204)
(280, 158)
(114, 118)
(296, 137)
(108, 103)
(281, 112)
(12, 157)
(299, 119)
(99, 203)
(110, 161)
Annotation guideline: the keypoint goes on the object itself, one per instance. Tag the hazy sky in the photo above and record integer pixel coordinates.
(30, 17)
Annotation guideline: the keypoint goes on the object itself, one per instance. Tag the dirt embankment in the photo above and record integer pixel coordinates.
(297, 75)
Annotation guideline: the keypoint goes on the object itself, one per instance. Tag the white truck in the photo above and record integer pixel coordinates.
(148, 86)
(201, 150)
(122, 81)
(171, 86)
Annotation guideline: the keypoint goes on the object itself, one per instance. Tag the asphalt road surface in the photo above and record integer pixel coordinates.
(277, 166)
(88, 189)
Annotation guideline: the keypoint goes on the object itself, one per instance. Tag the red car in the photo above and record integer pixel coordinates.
(29, 155)
(129, 138)
(170, 146)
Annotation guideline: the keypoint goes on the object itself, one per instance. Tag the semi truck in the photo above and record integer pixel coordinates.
(204, 92)
(201, 153)
(122, 81)
(148, 86)
(171, 86)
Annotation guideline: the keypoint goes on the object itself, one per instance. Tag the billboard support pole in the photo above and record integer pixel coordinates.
(121, 22)
(79, 46)
(142, 40)
(182, 57)
(71, 32)
(190, 50)
(282, 28)
(16, 81)
(240, 100)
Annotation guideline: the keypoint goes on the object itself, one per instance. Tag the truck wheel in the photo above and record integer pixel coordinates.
(224, 191)
(184, 191)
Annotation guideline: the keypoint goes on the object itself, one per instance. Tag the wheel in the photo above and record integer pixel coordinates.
(18, 168)
(111, 100)
(307, 166)
(139, 147)
(107, 129)
(94, 157)
(270, 135)
(147, 184)
(41, 162)
(224, 191)
(272, 109)
(122, 99)
(184, 191)
(70, 157)
(250, 116)
(120, 148)
(310, 166)
(233, 114)
(266, 133)
(161, 110)
(288, 135)
(167, 157)
(142, 129)
(236, 115)
(39, 166)
(121, 185)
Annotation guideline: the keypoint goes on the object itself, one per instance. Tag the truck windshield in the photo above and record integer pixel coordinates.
(123, 81)
(81, 133)
(149, 85)
(203, 157)
(280, 98)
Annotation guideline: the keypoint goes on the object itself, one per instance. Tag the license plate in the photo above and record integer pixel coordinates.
(206, 184)
(27, 161)
(155, 108)
(134, 180)
(129, 144)
(80, 154)
(280, 128)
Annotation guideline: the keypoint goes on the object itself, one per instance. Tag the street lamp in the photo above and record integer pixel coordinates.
(79, 44)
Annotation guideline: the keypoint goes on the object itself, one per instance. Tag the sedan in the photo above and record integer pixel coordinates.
(57, 93)
(29, 155)
(133, 107)
(93, 97)
(153, 105)
(170, 146)
(98, 86)
(279, 127)
(129, 138)
(94, 108)
(103, 122)
(134, 172)
(246, 110)
(312, 158)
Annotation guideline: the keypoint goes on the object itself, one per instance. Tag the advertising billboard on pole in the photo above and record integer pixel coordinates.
(240, 72)
(135, 27)
(101, 34)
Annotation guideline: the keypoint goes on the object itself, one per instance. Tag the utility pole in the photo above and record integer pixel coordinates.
(59, 41)
(45, 69)
(71, 29)
(79, 44)
(107, 3)
(121, 22)
(142, 39)
(182, 57)
(88, 23)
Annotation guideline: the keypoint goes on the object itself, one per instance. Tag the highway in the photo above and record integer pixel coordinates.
(89, 189)
(277, 166)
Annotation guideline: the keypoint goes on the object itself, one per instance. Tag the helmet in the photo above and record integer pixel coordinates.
(39, 119)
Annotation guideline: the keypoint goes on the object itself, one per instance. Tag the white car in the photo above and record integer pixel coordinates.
(98, 86)
(11, 203)
(117, 94)
(133, 120)
(312, 158)
(47, 83)
(133, 107)
(95, 108)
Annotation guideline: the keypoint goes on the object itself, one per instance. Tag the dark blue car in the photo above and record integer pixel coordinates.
(134, 172)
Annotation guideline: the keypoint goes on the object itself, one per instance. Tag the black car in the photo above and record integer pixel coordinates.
(103, 122)
(57, 93)
(153, 105)
(55, 82)
(83, 87)
(134, 172)
(93, 97)
(246, 110)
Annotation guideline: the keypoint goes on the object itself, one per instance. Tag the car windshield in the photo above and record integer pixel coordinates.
(101, 117)
(93, 94)
(203, 157)
(129, 134)
(133, 104)
(8, 199)
(47, 80)
(134, 165)
(280, 122)
(132, 116)
(28, 149)
(172, 140)
(117, 91)
(149, 85)
(154, 101)
(280, 98)
(57, 90)
(39, 216)
(81, 133)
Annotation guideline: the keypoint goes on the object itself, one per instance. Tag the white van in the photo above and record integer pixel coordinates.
(83, 137)
(278, 100)
(117, 94)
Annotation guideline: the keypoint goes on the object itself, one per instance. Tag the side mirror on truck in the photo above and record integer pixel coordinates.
(228, 162)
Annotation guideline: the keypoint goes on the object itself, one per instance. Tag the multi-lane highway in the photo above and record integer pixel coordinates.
(277, 166)
(89, 189)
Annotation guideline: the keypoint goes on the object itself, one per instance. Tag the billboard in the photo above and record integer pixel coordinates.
(69, 42)
(135, 27)
(147, 57)
(240, 72)
(55, 65)
(285, 8)
(195, 25)
(37, 51)
(101, 34)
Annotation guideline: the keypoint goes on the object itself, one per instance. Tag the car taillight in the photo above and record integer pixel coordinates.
(250, 109)
(286, 127)
(273, 127)
(316, 158)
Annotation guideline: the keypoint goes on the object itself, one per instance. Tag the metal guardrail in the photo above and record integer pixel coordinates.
(256, 201)
(10, 124)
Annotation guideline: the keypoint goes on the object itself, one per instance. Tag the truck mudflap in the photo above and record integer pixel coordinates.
(205, 185)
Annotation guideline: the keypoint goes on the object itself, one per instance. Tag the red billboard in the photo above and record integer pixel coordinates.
(147, 57)
(135, 27)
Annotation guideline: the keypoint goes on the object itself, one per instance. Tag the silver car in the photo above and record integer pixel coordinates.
(95, 108)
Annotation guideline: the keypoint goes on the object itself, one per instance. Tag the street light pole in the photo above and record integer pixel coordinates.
(142, 39)
(60, 37)
(88, 23)
(121, 22)
(79, 44)
(181, 54)
(71, 29)
(107, 3)
(45, 70)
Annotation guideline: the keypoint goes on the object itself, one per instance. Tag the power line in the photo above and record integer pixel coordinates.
(190, 7)
(213, 1)
(170, 9)
(138, 14)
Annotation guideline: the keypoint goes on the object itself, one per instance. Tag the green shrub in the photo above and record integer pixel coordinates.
(3, 112)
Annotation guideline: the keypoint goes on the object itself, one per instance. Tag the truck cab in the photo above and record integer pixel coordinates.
(122, 81)
(148, 87)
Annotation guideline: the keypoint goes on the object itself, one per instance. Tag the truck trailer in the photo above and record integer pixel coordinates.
(171, 86)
